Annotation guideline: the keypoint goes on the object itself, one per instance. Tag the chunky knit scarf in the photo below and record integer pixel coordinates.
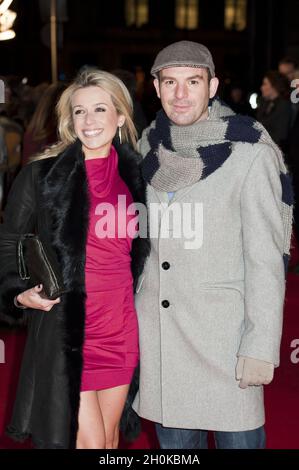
(179, 156)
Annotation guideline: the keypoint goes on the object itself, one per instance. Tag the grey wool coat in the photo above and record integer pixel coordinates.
(201, 307)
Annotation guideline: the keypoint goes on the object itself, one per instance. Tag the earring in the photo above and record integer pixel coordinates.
(119, 134)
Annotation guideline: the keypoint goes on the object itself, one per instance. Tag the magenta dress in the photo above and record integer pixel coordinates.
(110, 350)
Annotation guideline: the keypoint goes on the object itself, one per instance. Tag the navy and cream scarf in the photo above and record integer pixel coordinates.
(179, 156)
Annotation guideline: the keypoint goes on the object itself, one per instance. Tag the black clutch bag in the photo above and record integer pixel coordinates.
(37, 263)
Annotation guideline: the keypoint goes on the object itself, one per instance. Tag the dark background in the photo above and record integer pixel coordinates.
(95, 32)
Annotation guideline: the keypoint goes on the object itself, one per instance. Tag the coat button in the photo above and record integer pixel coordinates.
(165, 265)
(165, 303)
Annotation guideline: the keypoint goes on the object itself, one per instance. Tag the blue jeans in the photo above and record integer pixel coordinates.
(173, 438)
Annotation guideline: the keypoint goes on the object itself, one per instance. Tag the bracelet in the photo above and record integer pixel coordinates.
(17, 304)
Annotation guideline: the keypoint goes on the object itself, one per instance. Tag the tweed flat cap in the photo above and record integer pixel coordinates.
(183, 54)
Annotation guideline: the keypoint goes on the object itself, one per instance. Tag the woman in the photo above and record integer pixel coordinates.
(82, 348)
(274, 111)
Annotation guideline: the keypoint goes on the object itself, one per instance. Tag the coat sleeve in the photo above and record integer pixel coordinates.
(263, 248)
(19, 217)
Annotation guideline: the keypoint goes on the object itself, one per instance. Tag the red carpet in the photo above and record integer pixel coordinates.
(281, 397)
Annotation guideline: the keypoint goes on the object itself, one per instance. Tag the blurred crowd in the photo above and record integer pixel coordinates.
(277, 108)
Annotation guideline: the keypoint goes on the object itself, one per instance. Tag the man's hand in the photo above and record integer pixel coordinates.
(253, 372)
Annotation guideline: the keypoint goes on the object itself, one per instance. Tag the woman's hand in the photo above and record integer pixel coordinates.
(32, 298)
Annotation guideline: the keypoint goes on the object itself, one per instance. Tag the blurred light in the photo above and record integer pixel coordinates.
(253, 100)
(24, 81)
(10, 34)
(5, 5)
(235, 15)
(7, 19)
(186, 14)
(137, 12)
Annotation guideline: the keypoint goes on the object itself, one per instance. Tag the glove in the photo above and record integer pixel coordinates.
(253, 371)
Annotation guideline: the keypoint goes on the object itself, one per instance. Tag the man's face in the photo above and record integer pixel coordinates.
(185, 93)
(287, 70)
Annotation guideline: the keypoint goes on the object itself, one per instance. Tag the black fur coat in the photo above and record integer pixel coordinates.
(51, 196)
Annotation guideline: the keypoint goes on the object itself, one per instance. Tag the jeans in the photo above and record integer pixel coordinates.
(173, 438)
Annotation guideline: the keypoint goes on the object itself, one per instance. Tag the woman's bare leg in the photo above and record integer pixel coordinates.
(112, 402)
(91, 431)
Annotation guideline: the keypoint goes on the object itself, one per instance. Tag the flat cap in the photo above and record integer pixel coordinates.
(183, 54)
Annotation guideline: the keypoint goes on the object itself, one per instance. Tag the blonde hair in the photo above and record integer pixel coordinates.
(120, 98)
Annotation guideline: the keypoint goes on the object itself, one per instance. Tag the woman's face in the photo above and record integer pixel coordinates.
(95, 120)
(268, 92)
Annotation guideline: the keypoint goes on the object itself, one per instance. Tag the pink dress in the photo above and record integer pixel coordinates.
(110, 351)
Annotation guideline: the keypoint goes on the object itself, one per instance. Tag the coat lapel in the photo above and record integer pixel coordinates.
(178, 195)
(65, 195)
(162, 197)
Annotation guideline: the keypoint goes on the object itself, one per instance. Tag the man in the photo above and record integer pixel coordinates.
(211, 299)
(287, 67)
